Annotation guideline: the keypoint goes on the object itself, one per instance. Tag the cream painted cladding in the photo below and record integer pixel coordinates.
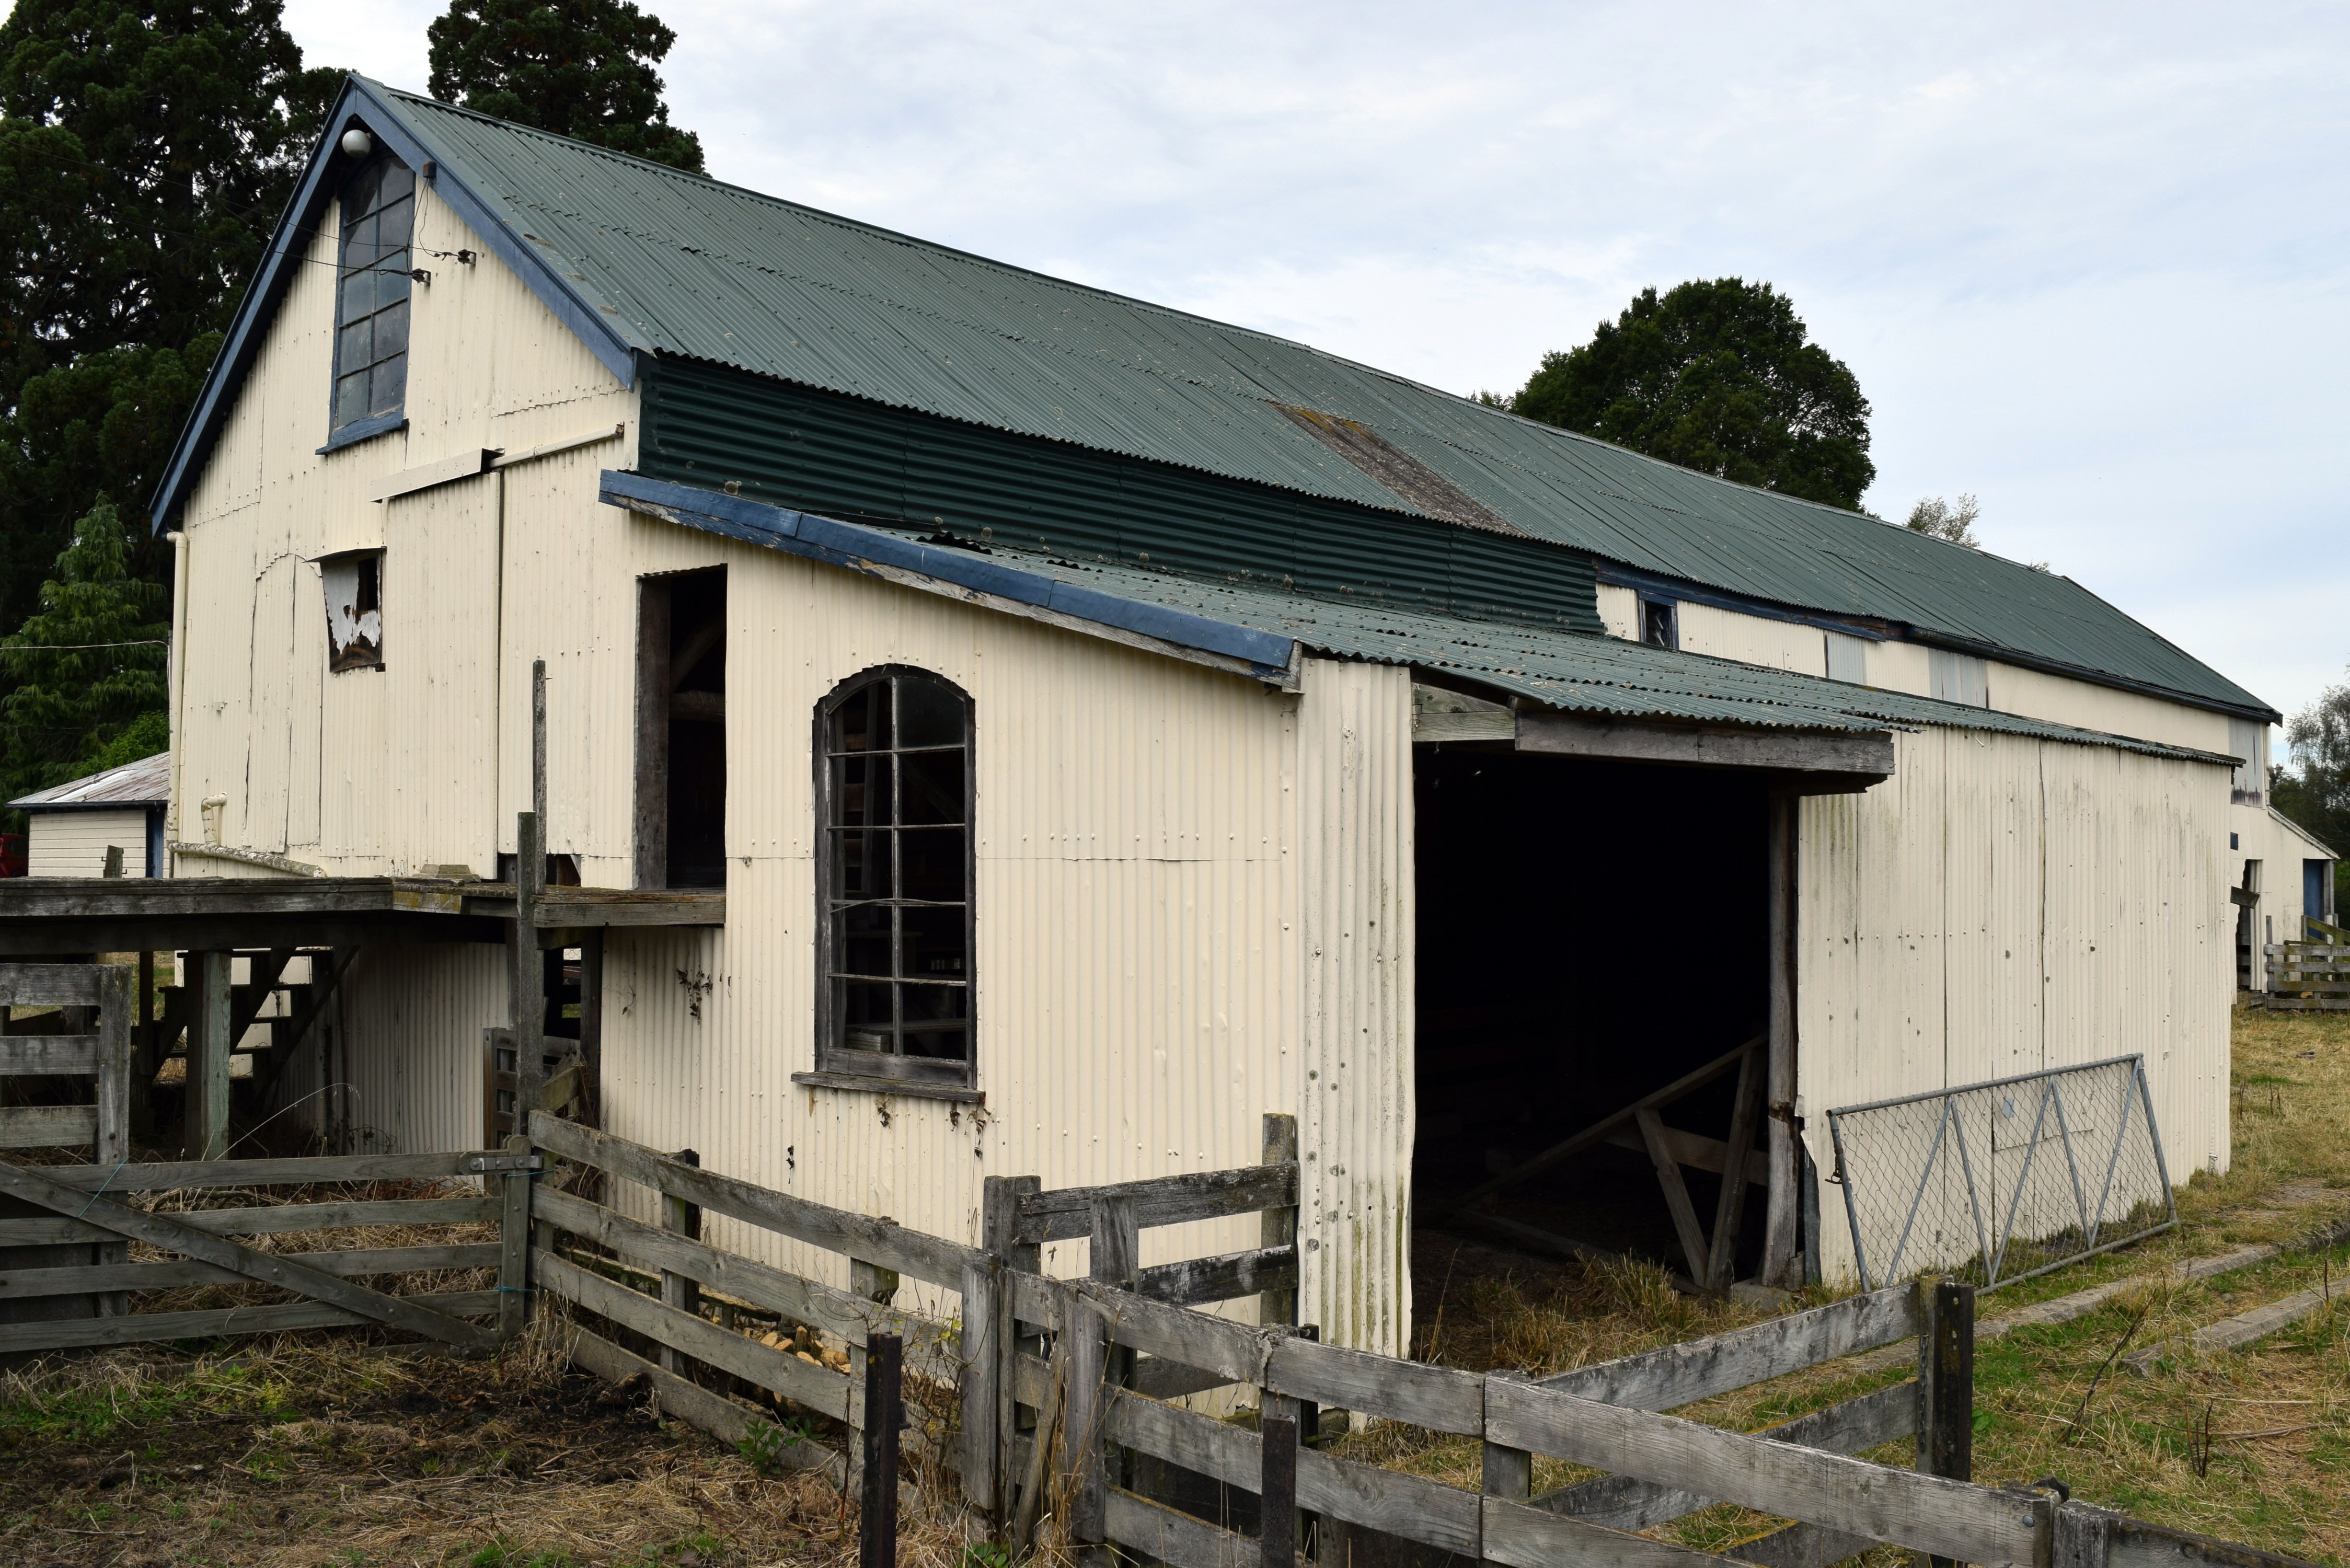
(74, 843)
(1145, 988)
(2002, 904)
(401, 1046)
(371, 772)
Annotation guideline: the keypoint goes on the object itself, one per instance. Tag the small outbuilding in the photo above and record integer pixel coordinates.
(73, 828)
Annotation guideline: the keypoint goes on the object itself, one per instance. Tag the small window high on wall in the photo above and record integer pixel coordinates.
(894, 864)
(354, 585)
(371, 295)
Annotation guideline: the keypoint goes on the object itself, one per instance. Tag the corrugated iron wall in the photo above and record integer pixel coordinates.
(2002, 904)
(1354, 779)
(1136, 973)
(371, 771)
(400, 1044)
(1753, 638)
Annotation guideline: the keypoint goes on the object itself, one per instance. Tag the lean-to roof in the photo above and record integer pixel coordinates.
(147, 782)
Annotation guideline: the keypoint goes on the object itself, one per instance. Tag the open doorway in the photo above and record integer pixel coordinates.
(1590, 933)
(680, 815)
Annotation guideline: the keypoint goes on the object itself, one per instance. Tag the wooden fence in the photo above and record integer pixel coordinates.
(1042, 1392)
(2308, 977)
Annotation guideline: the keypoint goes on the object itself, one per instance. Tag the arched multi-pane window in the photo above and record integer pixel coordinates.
(894, 869)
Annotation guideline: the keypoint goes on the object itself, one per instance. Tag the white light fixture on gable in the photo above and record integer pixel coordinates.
(358, 143)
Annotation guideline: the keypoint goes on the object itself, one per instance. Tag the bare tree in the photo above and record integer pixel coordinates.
(1939, 518)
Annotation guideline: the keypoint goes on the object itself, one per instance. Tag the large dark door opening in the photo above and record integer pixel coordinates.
(1589, 932)
(681, 807)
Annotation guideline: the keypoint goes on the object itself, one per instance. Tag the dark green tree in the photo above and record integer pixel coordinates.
(89, 667)
(581, 69)
(1717, 376)
(147, 147)
(2316, 791)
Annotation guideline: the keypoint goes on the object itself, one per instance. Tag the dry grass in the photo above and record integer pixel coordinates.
(2252, 1446)
(342, 1450)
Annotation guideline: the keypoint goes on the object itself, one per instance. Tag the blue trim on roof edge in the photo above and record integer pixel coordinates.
(361, 104)
(850, 546)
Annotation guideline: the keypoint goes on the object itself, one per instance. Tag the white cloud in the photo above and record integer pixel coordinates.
(2086, 261)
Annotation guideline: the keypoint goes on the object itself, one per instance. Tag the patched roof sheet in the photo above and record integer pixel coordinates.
(147, 782)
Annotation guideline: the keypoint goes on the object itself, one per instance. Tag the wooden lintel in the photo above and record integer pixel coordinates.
(1837, 759)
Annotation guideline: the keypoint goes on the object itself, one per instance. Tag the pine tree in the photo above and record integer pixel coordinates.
(88, 666)
(147, 147)
(581, 69)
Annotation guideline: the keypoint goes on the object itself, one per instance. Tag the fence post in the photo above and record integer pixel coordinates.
(1946, 1382)
(204, 1135)
(685, 1220)
(115, 1045)
(876, 1523)
(999, 1225)
(1278, 1226)
(874, 1283)
(1081, 1429)
(513, 1246)
(1509, 1472)
(1277, 1489)
(1115, 1257)
(983, 1325)
(2083, 1537)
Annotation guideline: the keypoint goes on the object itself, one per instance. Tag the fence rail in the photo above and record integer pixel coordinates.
(2308, 977)
(1047, 1385)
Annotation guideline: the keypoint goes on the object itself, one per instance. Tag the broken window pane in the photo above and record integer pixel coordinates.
(354, 585)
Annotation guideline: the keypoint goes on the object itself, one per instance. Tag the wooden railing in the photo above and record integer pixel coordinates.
(1045, 1386)
(2308, 977)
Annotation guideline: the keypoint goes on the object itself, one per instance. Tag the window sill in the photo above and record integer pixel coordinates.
(912, 1089)
(365, 430)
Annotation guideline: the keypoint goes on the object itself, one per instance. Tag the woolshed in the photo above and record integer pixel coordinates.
(990, 725)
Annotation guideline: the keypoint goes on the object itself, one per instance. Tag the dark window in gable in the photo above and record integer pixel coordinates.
(1659, 626)
(894, 796)
(372, 294)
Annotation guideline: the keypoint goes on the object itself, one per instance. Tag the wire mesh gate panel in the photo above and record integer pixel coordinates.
(2001, 1181)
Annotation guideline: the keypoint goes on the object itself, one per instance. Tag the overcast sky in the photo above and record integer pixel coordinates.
(2087, 262)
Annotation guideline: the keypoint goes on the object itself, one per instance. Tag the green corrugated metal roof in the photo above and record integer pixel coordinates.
(688, 266)
(1572, 672)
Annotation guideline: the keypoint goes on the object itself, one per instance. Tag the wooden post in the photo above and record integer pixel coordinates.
(513, 1246)
(591, 1023)
(1509, 1472)
(2083, 1537)
(1782, 1222)
(538, 748)
(1115, 1257)
(204, 1134)
(1278, 1226)
(146, 1054)
(115, 1056)
(1729, 1210)
(875, 1284)
(1946, 1382)
(999, 1224)
(1081, 1431)
(113, 861)
(528, 966)
(677, 1291)
(877, 1531)
(982, 1325)
(1277, 1490)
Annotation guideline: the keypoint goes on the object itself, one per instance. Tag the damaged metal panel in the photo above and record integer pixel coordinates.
(1357, 880)
(354, 588)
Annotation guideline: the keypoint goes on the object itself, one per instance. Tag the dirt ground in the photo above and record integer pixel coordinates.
(309, 1451)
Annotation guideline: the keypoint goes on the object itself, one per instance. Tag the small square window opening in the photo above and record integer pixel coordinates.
(1659, 626)
(354, 585)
